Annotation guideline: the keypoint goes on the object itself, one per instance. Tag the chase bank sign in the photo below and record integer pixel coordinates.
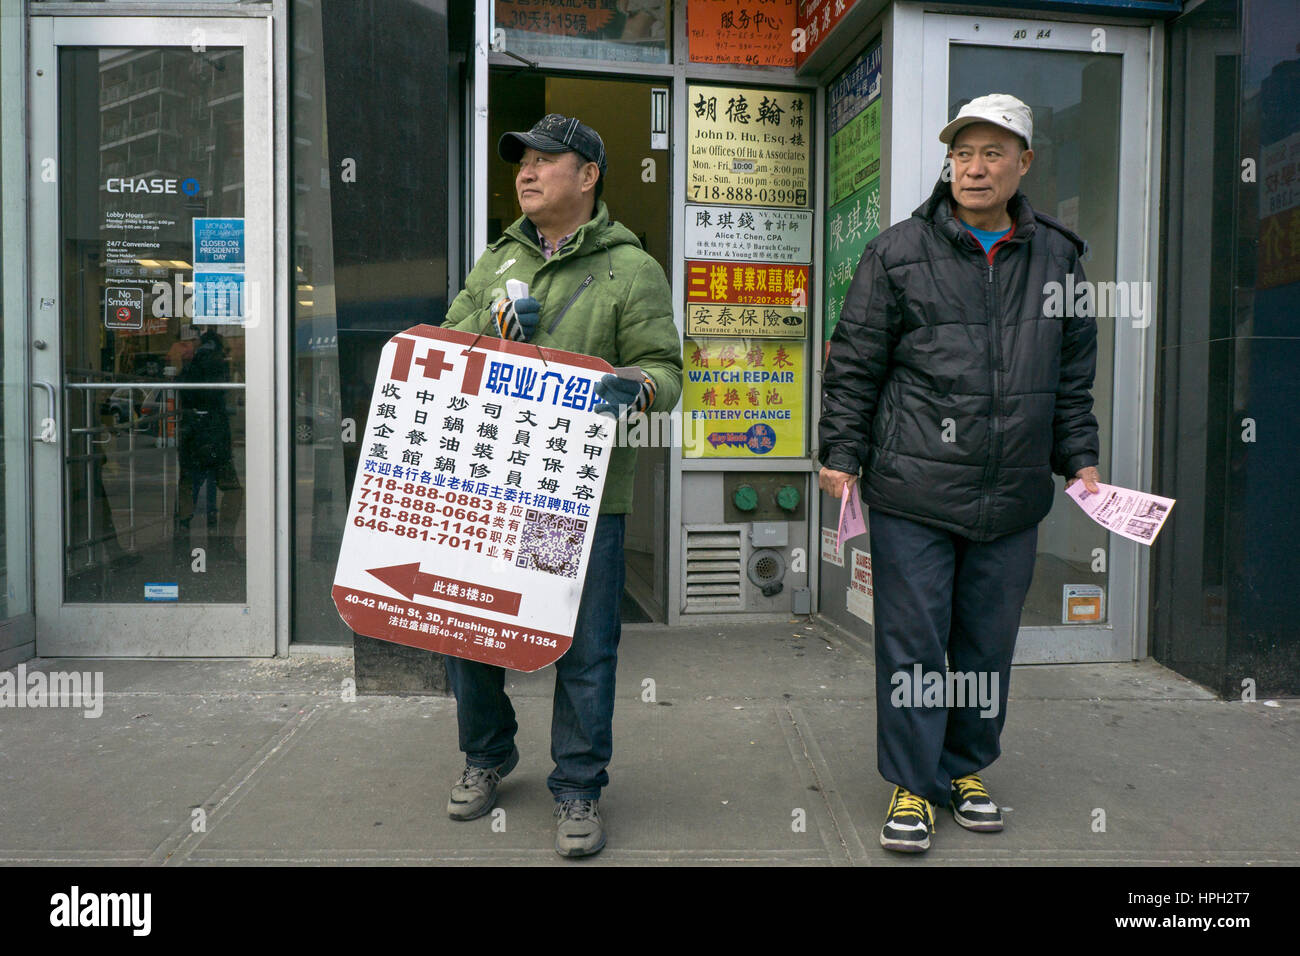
(117, 185)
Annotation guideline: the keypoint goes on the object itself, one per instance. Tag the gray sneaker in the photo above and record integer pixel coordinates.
(476, 790)
(578, 830)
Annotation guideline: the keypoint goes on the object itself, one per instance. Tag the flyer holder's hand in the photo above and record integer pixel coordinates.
(851, 523)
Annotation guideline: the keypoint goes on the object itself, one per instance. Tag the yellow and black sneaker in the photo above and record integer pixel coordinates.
(907, 828)
(972, 806)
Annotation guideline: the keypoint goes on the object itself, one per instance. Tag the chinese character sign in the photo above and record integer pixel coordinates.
(728, 31)
(746, 283)
(849, 227)
(475, 499)
(743, 398)
(749, 147)
(853, 156)
(746, 298)
(1279, 213)
(853, 176)
(754, 235)
(817, 18)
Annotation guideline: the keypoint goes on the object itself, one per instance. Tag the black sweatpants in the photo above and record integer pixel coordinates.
(943, 599)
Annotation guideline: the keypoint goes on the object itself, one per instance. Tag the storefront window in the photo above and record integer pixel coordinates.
(635, 31)
(1224, 584)
(370, 238)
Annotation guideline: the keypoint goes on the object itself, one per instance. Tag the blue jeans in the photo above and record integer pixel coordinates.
(582, 715)
(942, 598)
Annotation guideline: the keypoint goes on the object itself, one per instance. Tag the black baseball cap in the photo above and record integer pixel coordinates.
(554, 133)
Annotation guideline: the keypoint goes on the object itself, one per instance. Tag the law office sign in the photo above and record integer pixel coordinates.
(749, 147)
(476, 497)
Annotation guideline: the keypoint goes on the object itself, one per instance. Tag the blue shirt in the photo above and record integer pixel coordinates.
(986, 238)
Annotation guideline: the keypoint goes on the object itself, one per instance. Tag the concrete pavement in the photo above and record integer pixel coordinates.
(759, 748)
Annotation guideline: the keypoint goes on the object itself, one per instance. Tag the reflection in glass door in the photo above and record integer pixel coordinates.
(153, 382)
(1087, 88)
(158, 475)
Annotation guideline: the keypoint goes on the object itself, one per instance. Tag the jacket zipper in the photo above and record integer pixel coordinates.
(572, 299)
(995, 341)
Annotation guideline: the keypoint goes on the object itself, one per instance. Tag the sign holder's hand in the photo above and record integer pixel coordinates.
(621, 396)
(516, 319)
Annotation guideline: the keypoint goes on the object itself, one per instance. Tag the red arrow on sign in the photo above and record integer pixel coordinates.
(408, 580)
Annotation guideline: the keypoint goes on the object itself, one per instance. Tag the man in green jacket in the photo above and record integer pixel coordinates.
(592, 290)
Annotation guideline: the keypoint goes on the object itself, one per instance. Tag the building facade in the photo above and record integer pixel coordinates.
(216, 213)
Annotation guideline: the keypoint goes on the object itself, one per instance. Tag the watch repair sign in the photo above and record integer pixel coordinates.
(475, 499)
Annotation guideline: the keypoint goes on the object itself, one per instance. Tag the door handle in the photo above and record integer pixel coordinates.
(52, 418)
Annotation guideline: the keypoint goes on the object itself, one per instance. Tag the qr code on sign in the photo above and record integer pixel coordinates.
(551, 543)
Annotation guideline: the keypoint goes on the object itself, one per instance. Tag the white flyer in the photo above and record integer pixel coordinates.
(1135, 515)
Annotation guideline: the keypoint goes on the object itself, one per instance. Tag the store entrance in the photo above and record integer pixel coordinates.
(637, 194)
(152, 337)
(1088, 89)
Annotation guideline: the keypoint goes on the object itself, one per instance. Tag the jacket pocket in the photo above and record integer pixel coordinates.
(887, 418)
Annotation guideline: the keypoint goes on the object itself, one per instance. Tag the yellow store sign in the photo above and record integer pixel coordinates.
(743, 398)
(748, 147)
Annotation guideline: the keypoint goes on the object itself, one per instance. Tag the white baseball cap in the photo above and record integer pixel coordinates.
(1000, 109)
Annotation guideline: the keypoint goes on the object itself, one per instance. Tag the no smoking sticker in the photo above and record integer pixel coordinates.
(123, 308)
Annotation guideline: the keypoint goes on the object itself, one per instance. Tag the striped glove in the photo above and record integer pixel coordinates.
(516, 319)
(620, 397)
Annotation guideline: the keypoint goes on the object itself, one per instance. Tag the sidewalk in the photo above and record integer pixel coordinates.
(750, 725)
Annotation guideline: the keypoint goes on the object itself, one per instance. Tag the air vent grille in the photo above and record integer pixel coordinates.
(714, 569)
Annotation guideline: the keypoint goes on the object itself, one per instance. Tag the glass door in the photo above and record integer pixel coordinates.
(1089, 89)
(152, 312)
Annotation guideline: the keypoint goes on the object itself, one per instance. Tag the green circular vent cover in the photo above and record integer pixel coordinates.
(788, 497)
(745, 498)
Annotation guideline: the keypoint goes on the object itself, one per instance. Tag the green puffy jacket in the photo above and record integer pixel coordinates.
(601, 295)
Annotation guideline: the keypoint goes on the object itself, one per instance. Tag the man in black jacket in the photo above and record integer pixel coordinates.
(957, 397)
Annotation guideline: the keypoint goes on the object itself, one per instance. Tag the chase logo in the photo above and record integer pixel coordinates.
(140, 185)
(190, 187)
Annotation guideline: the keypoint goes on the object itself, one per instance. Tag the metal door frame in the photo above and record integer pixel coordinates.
(165, 629)
(914, 152)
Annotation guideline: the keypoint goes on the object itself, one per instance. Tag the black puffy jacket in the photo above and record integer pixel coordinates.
(946, 382)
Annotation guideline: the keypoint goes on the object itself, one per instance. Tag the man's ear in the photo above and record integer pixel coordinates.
(590, 173)
(1026, 158)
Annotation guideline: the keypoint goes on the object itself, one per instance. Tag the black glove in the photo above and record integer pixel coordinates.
(621, 396)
